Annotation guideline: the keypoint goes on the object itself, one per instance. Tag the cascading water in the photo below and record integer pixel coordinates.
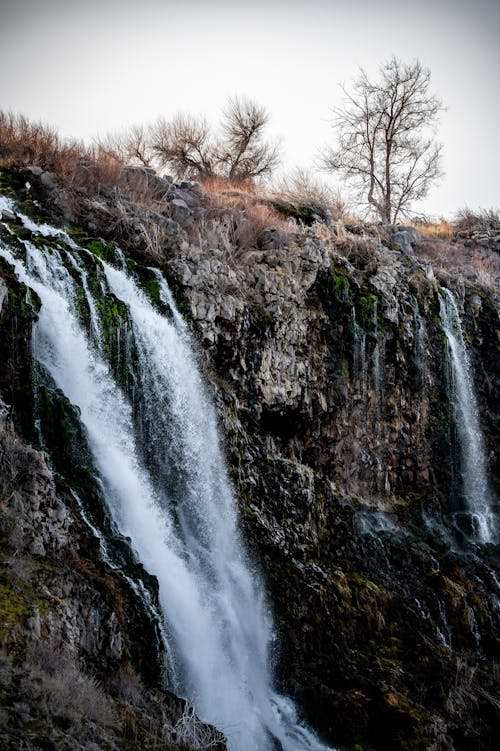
(167, 488)
(420, 339)
(359, 355)
(378, 356)
(477, 494)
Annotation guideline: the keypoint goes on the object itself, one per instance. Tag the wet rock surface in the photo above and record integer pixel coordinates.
(328, 371)
(81, 659)
(327, 368)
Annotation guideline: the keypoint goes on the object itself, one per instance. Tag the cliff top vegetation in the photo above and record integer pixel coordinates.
(103, 188)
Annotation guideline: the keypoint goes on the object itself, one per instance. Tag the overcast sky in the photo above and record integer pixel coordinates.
(99, 65)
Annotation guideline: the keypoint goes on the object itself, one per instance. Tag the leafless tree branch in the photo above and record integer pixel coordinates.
(383, 145)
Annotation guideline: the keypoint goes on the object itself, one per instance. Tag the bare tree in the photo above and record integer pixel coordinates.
(132, 146)
(185, 145)
(385, 146)
(137, 146)
(243, 152)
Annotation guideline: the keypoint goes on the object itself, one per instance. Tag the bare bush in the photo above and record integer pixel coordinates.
(238, 223)
(243, 153)
(483, 220)
(24, 142)
(184, 145)
(132, 147)
(301, 186)
(190, 148)
(479, 264)
(190, 732)
(65, 690)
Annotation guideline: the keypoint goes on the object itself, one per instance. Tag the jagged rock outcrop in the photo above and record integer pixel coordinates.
(81, 659)
(328, 364)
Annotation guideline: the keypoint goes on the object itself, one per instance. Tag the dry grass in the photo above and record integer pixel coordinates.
(64, 689)
(302, 187)
(482, 220)
(24, 143)
(466, 221)
(440, 230)
(479, 264)
(237, 214)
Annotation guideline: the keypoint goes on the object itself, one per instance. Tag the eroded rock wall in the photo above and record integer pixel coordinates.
(326, 361)
(81, 659)
(328, 369)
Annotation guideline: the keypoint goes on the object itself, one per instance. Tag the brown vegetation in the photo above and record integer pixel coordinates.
(95, 184)
(188, 146)
(468, 220)
(479, 264)
(26, 143)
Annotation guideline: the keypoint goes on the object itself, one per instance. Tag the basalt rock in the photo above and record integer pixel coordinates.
(81, 658)
(328, 370)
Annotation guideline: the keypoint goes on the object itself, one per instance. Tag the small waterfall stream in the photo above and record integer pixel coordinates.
(159, 458)
(477, 495)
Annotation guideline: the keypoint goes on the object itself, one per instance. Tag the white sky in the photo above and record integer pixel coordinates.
(95, 66)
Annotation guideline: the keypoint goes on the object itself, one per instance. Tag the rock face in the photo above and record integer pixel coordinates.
(327, 361)
(81, 659)
(329, 373)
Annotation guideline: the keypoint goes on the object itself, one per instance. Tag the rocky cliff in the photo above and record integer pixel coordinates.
(82, 660)
(326, 356)
(328, 362)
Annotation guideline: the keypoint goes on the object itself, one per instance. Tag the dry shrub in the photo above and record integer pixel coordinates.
(250, 227)
(480, 264)
(302, 187)
(191, 734)
(237, 215)
(218, 188)
(235, 230)
(126, 685)
(482, 220)
(65, 690)
(23, 142)
(441, 229)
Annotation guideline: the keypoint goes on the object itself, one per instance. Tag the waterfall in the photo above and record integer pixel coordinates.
(159, 459)
(359, 355)
(378, 357)
(420, 341)
(477, 495)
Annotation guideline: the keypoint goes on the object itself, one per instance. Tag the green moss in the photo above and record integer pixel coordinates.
(367, 311)
(16, 600)
(178, 293)
(341, 287)
(14, 608)
(262, 317)
(439, 410)
(9, 183)
(333, 289)
(46, 241)
(147, 280)
(152, 288)
(96, 245)
(301, 212)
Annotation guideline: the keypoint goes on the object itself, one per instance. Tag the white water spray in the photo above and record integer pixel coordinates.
(167, 489)
(475, 487)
